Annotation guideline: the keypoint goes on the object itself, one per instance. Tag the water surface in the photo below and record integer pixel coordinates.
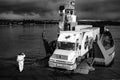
(15, 39)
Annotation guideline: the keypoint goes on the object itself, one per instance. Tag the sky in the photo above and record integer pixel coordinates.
(48, 9)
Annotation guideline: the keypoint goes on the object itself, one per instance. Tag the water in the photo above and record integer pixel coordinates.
(27, 39)
(15, 39)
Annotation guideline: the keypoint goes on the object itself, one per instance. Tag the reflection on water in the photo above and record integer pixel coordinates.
(15, 39)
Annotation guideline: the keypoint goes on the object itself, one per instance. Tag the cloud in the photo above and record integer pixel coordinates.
(98, 9)
(48, 9)
(45, 8)
(12, 15)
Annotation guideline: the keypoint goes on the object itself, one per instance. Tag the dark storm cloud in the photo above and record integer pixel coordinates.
(48, 9)
(24, 7)
(45, 8)
(98, 9)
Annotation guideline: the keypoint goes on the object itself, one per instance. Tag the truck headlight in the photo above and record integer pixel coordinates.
(52, 60)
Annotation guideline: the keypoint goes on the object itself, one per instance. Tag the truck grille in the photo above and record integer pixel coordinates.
(61, 62)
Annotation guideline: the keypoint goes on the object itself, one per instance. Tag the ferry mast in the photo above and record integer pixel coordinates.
(67, 16)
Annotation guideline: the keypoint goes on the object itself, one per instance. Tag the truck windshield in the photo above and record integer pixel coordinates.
(66, 45)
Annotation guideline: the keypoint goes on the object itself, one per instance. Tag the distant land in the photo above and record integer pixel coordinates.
(33, 22)
(22, 22)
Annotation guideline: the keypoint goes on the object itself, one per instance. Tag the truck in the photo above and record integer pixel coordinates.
(73, 46)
